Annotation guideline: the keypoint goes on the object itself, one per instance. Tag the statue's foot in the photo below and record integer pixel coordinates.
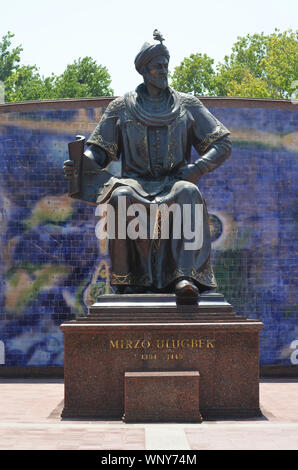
(186, 292)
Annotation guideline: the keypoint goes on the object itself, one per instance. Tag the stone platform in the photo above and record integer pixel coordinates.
(162, 397)
(151, 333)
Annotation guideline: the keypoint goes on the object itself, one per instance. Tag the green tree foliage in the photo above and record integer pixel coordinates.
(20, 82)
(9, 58)
(83, 78)
(26, 84)
(281, 63)
(194, 75)
(258, 66)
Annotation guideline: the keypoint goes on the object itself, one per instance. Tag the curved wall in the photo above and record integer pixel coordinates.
(52, 265)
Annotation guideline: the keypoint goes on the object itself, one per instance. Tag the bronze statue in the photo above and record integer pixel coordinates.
(153, 130)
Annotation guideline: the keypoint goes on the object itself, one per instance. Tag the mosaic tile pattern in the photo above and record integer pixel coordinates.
(52, 266)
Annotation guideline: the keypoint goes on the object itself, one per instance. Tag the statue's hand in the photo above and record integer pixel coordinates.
(68, 168)
(189, 173)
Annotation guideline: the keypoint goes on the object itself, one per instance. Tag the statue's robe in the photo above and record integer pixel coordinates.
(154, 138)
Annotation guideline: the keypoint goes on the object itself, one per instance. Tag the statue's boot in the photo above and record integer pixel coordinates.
(186, 292)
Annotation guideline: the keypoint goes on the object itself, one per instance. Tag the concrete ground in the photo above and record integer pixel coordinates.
(30, 419)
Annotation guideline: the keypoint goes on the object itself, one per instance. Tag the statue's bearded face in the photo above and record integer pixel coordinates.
(156, 72)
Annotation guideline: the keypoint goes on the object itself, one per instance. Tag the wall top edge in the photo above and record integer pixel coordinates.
(214, 101)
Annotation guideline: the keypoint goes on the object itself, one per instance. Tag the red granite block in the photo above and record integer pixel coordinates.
(162, 396)
(152, 334)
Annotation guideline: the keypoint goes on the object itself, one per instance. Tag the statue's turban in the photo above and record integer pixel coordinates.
(147, 53)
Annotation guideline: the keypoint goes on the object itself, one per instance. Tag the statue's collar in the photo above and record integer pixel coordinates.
(134, 100)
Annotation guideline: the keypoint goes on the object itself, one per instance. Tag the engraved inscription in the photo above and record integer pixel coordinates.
(168, 343)
(129, 344)
(148, 357)
(168, 349)
(174, 357)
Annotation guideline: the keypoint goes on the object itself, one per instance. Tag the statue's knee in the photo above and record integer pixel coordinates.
(188, 191)
(122, 192)
(191, 187)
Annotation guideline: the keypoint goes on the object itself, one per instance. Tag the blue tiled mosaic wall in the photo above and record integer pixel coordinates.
(52, 266)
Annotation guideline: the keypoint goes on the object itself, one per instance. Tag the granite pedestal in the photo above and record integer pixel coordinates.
(162, 396)
(151, 333)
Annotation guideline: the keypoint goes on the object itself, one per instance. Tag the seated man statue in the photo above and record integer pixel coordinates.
(153, 129)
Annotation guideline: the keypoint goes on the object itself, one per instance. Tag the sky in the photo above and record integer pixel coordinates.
(54, 33)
